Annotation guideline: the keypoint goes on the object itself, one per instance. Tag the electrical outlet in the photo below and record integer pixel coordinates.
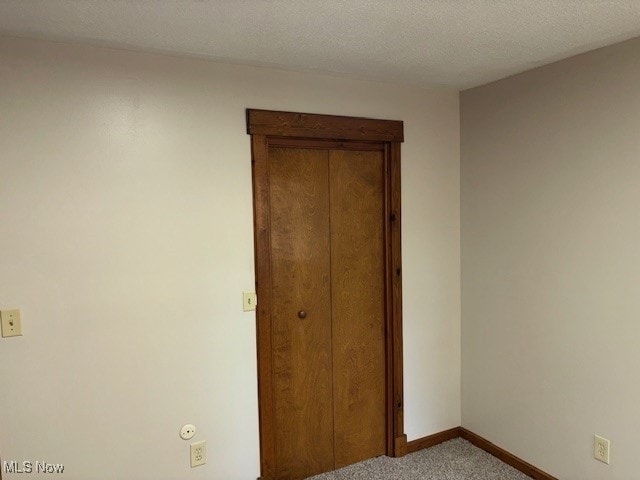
(198, 453)
(11, 323)
(601, 449)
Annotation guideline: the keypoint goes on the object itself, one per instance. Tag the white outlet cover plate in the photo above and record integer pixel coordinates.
(187, 431)
(198, 453)
(601, 449)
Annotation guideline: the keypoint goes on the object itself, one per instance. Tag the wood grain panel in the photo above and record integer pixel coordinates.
(325, 144)
(358, 304)
(395, 274)
(307, 125)
(301, 348)
(261, 214)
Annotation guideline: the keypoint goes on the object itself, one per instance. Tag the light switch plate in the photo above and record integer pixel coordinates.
(11, 323)
(249, 301)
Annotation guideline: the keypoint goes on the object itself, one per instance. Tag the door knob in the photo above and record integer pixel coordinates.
(302, 314)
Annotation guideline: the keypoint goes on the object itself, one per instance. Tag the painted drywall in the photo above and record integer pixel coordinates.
(551, 263)
(127, 238)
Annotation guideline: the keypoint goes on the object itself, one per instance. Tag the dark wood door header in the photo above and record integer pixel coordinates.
(308, 125)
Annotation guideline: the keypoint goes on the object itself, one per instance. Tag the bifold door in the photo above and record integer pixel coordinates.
(327, 264)
(328, 276)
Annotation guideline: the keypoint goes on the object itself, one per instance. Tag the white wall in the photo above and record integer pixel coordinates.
(126, 239)
(551, 263)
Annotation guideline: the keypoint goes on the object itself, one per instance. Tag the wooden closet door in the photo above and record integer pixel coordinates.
(327, 237)
(357, 304)
(301, 347)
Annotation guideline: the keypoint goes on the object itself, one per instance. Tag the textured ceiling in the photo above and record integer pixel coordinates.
(458, 43)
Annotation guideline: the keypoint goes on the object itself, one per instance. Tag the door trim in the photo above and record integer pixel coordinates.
(327, 127)
(327, 131)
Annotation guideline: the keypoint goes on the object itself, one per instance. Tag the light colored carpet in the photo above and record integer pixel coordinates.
(456, 459)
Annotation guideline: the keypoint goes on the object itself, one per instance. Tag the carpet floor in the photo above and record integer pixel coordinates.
(456, 459)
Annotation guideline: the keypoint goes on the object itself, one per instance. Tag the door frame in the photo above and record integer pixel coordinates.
(274, 128)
